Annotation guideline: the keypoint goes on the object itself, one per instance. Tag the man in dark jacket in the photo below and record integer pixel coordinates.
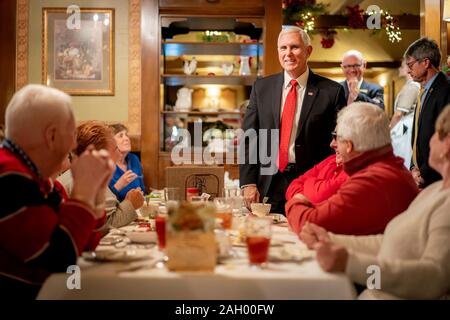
(289, 120)
(423, 58)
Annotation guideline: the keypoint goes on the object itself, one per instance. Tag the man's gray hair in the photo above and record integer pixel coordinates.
(34, 106)
(305, 37)
(425, 48)
(353, 53)
(365, 124)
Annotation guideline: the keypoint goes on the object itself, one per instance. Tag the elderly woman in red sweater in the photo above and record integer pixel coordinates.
(379, 186)
(322, 181)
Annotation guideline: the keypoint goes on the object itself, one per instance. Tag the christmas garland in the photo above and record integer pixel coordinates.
(304, 13)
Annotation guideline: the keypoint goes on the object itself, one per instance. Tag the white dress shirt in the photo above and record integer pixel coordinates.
(302, 80)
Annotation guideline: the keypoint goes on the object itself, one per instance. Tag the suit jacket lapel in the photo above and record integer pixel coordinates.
(308, 100)
(276, 100)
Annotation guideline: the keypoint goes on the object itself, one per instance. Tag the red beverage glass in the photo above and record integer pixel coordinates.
(258, 249)
(160, 226)
(257, 234)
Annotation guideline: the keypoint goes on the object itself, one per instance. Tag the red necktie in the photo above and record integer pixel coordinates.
(287, 119)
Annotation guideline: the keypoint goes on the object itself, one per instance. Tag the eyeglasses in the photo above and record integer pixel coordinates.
(412, 63)
(348, 66)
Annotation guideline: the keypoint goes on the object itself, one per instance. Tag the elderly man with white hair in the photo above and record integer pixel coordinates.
(378, 188)
(41, 230)
(356, 89)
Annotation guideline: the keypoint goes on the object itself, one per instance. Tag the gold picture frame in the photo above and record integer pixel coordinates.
(79, 60)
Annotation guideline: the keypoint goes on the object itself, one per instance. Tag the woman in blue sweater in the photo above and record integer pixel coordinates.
(128, 174)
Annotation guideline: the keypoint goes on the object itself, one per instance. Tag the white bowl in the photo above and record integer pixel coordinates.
(260, 209)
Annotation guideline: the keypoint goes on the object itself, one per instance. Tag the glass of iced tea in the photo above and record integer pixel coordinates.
(224, 211)
(257, 234)
(160, 226)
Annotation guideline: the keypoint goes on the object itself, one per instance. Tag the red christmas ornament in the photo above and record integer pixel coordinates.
(355, 17)
(327, 40)
(300, 23)
(327, 43)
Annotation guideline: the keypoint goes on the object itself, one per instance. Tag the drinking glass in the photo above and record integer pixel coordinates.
(230, 192)
(257, 234)
(224, 211)
(172, 194)
(237, 200)
(160, 226)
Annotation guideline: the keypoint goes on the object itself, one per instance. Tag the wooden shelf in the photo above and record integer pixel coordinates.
(183, 79)
(202, 113)
(211, 48)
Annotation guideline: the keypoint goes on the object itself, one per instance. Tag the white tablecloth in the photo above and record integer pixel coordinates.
(232, 280)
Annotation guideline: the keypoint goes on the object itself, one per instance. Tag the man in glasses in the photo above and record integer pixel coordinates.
(423, 59)
(356, 89)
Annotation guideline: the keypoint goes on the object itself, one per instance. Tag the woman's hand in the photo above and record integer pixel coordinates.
(331, 257)
(128, 177)
(136, 197)
(312, 234)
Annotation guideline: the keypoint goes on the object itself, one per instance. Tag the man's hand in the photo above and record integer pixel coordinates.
(128, 177)
(312, 234)
(303, 199)
(90, 171)
(251, 195)
(331, 257)
(136, 197)
(353, 90)
(417, 178)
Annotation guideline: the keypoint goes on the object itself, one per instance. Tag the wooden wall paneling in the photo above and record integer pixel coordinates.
(208, 7)
(150, 42)
(432, 25)
(273, 20)
(7, 54)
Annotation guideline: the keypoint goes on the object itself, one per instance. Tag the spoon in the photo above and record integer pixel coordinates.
(265, 200)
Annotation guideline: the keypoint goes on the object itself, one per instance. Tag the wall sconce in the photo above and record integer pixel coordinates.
(446, 13)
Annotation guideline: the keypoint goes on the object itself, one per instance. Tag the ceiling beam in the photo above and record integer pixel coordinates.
(335, 21)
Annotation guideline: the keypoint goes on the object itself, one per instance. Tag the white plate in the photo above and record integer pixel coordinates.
(290, 254)
(116, 255)
(142, 237)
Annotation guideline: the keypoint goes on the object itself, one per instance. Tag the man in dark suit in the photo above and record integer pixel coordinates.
(289, 120)
(423, 58)
(355, 88)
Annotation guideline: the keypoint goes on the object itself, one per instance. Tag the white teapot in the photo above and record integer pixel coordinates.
(184, 99)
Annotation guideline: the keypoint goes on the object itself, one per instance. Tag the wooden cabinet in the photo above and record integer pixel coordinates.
(208, 67)
(248, 29)
(208, 6)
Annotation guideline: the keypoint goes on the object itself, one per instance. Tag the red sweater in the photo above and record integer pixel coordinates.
(378, 188)
(40, 232)
(320, 182)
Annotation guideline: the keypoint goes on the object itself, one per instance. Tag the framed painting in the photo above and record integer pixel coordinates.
(78, 50)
